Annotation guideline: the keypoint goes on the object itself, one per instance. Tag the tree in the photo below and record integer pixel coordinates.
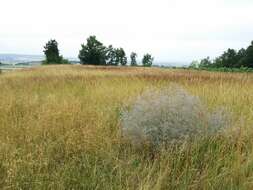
(94, 52)
(121, 57)
(240, 55)
(247, 60)
(231, 59)
(52, 52)
(124, 61)
(228, 59)
(204, 63)
(217, 63)
(194, 65)
(147, 60)
(133, 57)
(111, 56)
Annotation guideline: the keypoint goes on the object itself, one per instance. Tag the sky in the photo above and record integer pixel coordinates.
(171, 30)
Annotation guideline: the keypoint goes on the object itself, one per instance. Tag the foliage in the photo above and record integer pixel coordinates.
(111, 56)
(225, 69)
(147, 60)
(240, 56)
(194, 65)
(121, 56)
(52, 53)
(205, 63)
(64, 61)
(94, 52)
(247, 60)
(133, 57)
(231, 59)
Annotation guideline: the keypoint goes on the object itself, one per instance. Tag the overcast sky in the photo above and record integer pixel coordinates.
(172, 30)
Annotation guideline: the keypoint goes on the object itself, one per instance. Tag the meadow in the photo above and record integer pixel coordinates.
(60, 128)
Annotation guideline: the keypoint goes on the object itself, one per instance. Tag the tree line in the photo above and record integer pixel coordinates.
(95, 53)
(229, 59)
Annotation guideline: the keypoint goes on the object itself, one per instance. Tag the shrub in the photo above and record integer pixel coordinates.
(163, 116)
(64, 61)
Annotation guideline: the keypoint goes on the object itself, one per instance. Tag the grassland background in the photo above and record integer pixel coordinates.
(60, 129)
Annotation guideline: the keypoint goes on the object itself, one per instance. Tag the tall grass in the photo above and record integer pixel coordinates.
(60, 129)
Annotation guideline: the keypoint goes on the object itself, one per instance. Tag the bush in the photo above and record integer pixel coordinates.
(161, 117)
(64, 61)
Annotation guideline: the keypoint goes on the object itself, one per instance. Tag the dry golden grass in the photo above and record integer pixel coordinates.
(60, 129)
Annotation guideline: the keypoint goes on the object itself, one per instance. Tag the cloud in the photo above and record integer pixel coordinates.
(179, 30)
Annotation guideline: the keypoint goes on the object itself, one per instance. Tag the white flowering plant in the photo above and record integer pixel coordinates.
(169, 115)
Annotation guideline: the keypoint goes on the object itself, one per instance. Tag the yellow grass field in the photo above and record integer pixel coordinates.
(60, 129)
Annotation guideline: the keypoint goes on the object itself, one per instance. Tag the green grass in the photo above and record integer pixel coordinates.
(225, 69)
(60, 129)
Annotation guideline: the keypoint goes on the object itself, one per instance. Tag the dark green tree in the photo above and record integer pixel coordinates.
(121, 57)
(94, 52)
(147, 60)
(111, 56)
(228, 59)
(231, 59)
(204, 63)
(247, 60)
(240, 55)
(133, 57)
(217, 63)
(52, 53)
(124, 61)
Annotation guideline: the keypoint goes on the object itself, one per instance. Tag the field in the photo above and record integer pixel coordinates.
(60, 129)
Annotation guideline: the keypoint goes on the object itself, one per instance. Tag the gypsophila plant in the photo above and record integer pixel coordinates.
(169, 115)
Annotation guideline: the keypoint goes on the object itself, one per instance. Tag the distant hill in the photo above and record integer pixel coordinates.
(18, 58)
(26, 59)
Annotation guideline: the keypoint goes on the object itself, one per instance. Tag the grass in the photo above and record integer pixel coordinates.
(224, 69)
(60, 129)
